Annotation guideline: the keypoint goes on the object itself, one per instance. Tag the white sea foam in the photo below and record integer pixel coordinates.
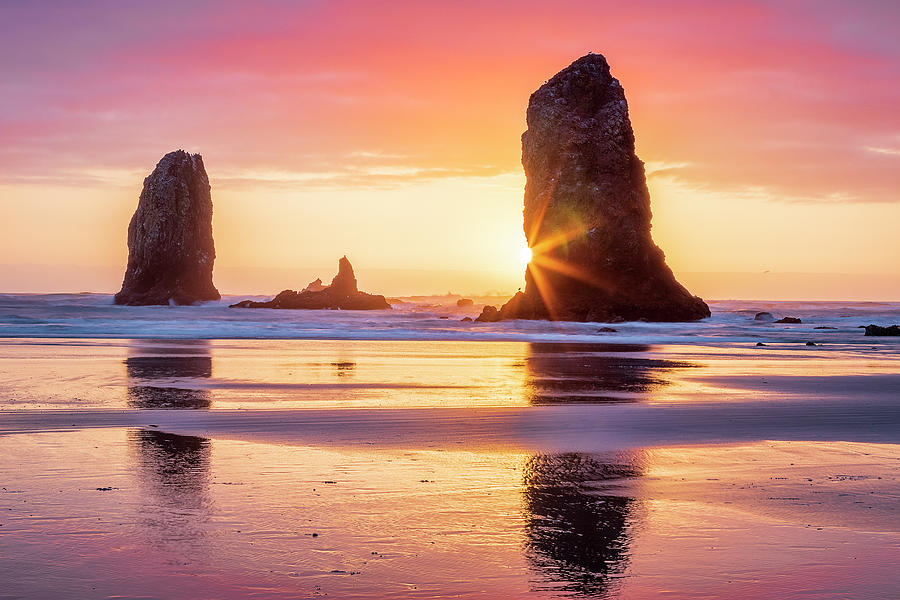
(95, 316)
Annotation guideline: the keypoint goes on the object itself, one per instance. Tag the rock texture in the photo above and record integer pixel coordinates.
(877, 330)
(489, 314)
(587, 210)
(314, 286)
(170, 242)
(342, 294)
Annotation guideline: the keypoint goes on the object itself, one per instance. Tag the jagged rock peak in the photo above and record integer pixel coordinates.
(314, 286)
(345, 281)
(587, 209)
(170, 243)
(342, 294)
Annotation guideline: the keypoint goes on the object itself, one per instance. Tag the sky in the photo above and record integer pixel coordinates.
(390, 132)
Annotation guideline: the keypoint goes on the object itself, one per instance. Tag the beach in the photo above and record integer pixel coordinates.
(427, 458)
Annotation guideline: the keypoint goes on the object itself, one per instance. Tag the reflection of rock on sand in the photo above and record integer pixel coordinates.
(158, 372)
(577, 531)
(173, 473)
(564, 373)
(344, 368)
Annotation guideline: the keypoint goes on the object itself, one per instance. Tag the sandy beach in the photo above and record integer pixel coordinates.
(433, 469)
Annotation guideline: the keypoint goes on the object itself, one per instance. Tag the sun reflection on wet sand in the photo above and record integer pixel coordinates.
(158, 373)
(595, 373)
(143, 512)
(272, 374)
(486, 470)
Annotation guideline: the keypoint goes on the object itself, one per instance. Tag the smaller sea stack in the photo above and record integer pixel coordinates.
(342, 294)
(170, 241)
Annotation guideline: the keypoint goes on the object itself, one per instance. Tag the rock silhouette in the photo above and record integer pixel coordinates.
(587, 210)
(342, 294)
(877, 330)
(170, 242)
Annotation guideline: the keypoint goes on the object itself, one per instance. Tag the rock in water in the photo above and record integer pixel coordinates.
(587, 210)
(877, 330)
(170, 242)
(341, 294)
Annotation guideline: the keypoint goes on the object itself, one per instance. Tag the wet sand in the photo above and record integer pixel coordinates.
(431, 470)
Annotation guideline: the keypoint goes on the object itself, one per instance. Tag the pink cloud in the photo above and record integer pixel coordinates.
(743, 93)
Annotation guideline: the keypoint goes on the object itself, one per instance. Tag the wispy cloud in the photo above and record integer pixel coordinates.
(887, 151)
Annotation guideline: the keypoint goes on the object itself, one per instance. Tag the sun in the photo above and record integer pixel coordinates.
(525, 255)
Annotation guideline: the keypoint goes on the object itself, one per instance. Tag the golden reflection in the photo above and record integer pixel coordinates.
(567, 373)
(165, 374)
(344, 368)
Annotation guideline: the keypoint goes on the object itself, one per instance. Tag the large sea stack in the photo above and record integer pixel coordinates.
(170, 241)
(342, 294)
(587, 210)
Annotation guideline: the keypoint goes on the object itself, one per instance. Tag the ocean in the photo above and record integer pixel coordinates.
(202, 451)
(434, 318)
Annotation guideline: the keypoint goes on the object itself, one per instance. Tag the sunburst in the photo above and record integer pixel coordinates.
(543, 259)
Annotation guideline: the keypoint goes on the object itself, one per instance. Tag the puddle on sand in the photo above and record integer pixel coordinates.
(127, 512)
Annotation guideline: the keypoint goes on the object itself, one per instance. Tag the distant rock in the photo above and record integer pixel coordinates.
(344, 283)
(466, 320)
(764, 316)
(760, 344)
(489, 314)
(606, 330)
(587, 210)
(824, 327)
(793, 320)
(464, 303)
(877, 330)
(811, 344)
(314, 286)
(170, 242)
(342, 294)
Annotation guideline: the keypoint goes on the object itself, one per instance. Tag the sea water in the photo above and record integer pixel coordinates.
(437, 318)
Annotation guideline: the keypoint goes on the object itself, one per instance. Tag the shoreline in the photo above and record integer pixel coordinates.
(575, 428)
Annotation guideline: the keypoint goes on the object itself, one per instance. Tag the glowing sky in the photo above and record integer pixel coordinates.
(389, 132)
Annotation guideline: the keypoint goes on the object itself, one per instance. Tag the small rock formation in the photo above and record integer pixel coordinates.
(489, 314)
(764, 316)
(464, 303)
(170, 242)
(793, 320)
(342, 294)
(314, 286)
(587, 210)
(824, 327)
(877, 330)
(466, 320)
